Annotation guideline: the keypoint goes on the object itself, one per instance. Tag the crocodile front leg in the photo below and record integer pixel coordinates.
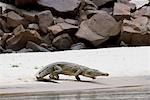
(55, 74)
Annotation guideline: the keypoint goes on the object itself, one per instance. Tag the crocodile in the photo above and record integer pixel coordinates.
(66, 68)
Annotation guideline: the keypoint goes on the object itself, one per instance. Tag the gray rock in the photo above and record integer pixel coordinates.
(61, 7)
(99, 28)
(121, 11)
(13, 19)
(62, 42)
(19, 40)
(1, 33)
(33, 26)
(55, 29)
(45, 19)
(24, 50)
(35, 47)
(101, 2)
(78, 46)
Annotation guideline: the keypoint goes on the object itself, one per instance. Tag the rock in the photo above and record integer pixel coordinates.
(4, 39)
(18, 29)
(139, 4)
(121, 11)
(101, 2)
(55, 29)
(62, 42)
(78, 46)
(3, 25)
(35, 47)
(135, 31)
(72, 22)
(59, 20)
(33, 26)
(13, 19)
(19, 41)
(48, 38)
(1, 33)
(1, 49)
(144, 11)
(21, 3)
(24, 50)
(45, 19)
(9, 51)
(98, 28)
(63, 8)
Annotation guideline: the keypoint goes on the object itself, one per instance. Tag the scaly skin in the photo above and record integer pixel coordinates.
(70, 69)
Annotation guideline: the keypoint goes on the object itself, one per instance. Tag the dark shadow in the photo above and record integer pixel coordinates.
(84, 81)
(46, 80)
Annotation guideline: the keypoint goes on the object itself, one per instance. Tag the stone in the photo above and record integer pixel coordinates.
(63, 8)
(13, 19)
(18, 29)
(19, 41)
(59, 20)
(144, 11)
(78, 46)
(24, 50)
(121, 11)
(102, 2)
(1, 33)
(4, 39)
(21, 3)
(33, 26)
(1, 49)
(62, 42)
(135, 31)
(3, 25)
(55, 29)
(35, 47)
(45, 19)
(9, 51)
(72, 22)
(99, 28)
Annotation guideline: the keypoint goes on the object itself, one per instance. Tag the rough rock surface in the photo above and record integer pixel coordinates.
(45, 19)
(19, 40)
(99, 28)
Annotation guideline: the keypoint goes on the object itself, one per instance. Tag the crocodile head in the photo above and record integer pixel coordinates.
(93, 73)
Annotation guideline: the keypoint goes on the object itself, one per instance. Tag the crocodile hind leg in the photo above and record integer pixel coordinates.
(55, 74)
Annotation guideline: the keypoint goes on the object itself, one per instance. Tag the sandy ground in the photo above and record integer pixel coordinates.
(128, 67)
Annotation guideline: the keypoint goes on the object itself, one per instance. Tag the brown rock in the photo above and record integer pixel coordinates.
(35, 47)
(18, 29)
(98, 28)
(13, 19)
(63, 8)
(3, 25)
(45, 19)
(121, 11)
(25, 2)
(101, 2)
(55, 29)
(19, 41)
(135, 31)
(62, 42)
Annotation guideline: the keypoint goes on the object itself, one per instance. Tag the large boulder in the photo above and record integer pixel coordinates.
(136, 31)
(19, 41)
(62, 42)
(98, 28)
(13, 19)
(45, 19)
(61, 7)
(101, 2)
